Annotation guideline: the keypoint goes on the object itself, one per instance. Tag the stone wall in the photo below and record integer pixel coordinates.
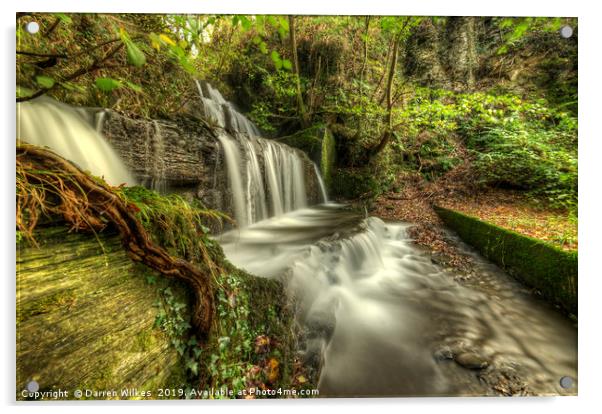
(182, 155)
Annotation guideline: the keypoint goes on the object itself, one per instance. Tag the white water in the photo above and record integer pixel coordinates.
(321, 183)
(375, 310)
(46, 122)
(266, 178)
(222, 112)
(233, 163)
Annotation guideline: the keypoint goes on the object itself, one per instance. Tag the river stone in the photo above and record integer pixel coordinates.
(443, 353)
(471, 360)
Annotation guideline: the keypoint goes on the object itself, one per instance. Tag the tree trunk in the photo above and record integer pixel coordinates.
(365, 62)
(293, 46)
(389, 99)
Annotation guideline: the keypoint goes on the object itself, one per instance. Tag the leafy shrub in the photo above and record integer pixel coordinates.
(528, 159)
(514, 142)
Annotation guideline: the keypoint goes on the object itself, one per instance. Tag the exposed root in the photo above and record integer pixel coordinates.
(49, 184)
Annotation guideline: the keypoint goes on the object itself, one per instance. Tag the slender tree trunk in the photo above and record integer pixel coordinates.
(365, 62)
(293, 46)
(389, 99)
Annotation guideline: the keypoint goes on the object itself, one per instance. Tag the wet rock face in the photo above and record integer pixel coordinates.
(182, 155)
(186, 147)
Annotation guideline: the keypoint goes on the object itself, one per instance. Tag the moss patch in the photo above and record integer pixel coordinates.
(543, 266)
(328, 158)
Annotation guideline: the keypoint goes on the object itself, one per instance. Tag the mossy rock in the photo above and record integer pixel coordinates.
(550, 270)
(354, 183)
(86, 316)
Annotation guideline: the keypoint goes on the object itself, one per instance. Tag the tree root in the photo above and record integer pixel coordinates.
(88, 203)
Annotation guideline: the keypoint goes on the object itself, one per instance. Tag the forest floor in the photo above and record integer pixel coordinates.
(510, 209)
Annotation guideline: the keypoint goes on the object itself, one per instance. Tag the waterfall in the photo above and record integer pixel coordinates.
(157, 180)
(233, 162)
(258, 189)
(321, 183)
(46, 122)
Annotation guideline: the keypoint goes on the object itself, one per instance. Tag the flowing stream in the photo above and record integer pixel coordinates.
(380, 318)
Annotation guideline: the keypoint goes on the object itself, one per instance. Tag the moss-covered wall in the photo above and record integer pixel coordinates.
(86, 316)
(328, 157)
(547, 268)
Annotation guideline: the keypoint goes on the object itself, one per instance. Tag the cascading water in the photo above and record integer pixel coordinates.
(233, 163)
(256, 194)
(321, 184)
(381, 319)
(64, 129)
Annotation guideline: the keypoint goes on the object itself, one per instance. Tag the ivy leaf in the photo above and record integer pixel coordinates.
(107, 84)
(45, 82)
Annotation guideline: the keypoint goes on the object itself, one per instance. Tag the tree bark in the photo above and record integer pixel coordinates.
(389, 100)
(365, 60)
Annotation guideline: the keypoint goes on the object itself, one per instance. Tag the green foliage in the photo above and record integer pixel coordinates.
(174, 320)
(515, 28)
(178, 225)
(145, 56)
(134, 55)
(550, 270)
(530, 159)
(45, 82)
(249, 309)
(513, 142)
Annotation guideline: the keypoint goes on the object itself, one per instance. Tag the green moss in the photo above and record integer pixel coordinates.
(545, 267)
(46, 304)
(354, 183)
(328, 158)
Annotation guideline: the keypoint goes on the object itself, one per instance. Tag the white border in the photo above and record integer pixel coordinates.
(590, 287)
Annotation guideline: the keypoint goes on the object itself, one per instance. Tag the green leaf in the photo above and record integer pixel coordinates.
(275, 56)
(133, 86)
(263, 47)
(64, 18)
(286, 64)
(135, 56)
(45, 82)
(107, 84)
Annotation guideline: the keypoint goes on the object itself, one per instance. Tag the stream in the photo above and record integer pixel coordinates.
(380, 318)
